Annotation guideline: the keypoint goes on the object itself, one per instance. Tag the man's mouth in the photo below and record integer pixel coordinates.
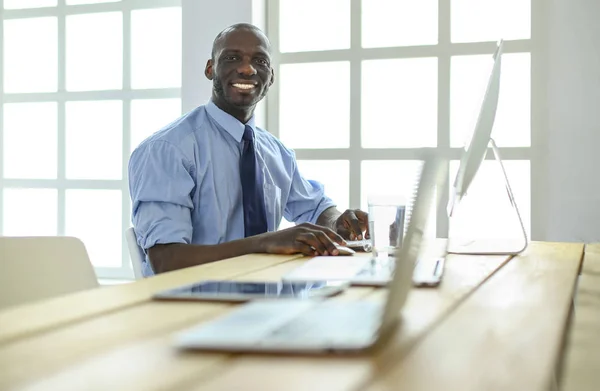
(244, 86)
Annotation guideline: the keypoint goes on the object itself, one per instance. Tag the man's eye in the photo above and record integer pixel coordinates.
(230, 58)
(262, 61)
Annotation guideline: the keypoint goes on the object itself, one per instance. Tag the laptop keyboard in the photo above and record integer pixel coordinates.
(378, 268)
(330, 268)
(286, 324)
(335, 321)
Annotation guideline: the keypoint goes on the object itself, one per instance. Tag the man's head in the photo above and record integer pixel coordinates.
(240, 69)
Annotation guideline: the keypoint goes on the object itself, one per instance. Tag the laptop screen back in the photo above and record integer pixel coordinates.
(432, 175)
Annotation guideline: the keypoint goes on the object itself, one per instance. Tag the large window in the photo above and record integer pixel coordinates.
(364, 85)
(82, 83)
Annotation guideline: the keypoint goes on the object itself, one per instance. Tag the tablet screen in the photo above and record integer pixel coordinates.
(246, 290)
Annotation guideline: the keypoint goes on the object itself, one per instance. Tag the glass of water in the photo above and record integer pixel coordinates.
(386, 223)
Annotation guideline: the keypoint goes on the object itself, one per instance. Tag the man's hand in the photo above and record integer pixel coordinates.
(308, 239)
(352, 224)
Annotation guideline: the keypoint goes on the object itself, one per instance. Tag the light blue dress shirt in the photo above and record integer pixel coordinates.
(185, 185)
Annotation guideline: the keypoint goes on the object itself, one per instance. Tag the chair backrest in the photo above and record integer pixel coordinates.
(35, 268)
(135, 253)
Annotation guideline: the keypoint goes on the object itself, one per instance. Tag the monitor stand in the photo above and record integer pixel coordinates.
(493, 246)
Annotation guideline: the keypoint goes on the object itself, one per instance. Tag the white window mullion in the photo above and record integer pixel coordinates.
(485, 48)
(355, 104)
(94, 184)
(126, 141)
(273, 96)
(508, 153)
(539, 40)
(2, 121)
(61, 129)
(88, 8)
(146, 4)
(443, 109)
(152, 93)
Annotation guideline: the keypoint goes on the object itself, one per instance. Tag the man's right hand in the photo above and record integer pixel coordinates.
(308, 239)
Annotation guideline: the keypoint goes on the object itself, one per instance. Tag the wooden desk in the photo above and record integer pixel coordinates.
(495, 323)
(581, 371)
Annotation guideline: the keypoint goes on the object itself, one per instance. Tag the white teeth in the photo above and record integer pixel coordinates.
(243, 86)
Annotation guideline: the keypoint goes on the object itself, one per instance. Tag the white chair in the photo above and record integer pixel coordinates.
(35, 268)
(135, 253)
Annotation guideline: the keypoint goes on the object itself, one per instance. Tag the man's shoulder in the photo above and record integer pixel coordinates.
(178, 132)
(272, 142)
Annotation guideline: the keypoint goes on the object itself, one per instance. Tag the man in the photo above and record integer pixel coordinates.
(211, 185)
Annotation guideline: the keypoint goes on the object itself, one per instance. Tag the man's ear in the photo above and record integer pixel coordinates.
(272, 77)
(208, 71)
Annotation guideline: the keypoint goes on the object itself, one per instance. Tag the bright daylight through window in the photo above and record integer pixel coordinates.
(82, 83)
(377, 80)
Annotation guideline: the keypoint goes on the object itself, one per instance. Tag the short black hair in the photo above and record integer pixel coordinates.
(234, 27)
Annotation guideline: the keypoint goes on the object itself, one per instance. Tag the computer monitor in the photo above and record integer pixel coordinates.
(477, 147)
(471, 160)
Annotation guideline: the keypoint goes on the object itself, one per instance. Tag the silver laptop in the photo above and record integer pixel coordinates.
(367, 270)
(320, 326)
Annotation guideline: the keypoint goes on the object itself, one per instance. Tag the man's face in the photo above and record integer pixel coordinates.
(241, 69)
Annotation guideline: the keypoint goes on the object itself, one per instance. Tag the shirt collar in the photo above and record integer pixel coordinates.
(228, 122)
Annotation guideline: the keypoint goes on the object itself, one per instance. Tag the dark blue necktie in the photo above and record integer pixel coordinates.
(255, 217)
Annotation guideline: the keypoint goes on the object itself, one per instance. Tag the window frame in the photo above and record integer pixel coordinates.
(126, 95)
(443, 51)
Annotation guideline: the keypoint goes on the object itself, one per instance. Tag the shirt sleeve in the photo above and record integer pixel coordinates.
(307, 199)
(161, 182)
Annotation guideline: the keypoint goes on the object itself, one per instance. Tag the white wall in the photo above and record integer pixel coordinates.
(572, 203)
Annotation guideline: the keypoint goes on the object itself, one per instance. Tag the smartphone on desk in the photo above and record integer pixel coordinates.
(241, 291)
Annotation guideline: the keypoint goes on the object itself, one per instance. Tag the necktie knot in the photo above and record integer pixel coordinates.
(248, 134)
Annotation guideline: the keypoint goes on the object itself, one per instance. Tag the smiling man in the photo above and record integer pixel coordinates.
(211, 185)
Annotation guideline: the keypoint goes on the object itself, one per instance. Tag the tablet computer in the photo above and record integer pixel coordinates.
(240, 291)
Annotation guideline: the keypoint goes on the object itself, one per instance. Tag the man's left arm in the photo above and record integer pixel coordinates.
(307, 202)
(329, 217)
(349, 225)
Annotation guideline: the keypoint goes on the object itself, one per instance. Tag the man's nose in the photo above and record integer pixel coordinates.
(246, 69)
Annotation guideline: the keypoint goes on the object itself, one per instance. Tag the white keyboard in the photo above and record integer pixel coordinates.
(363, 270)
(357, 270)
(328, 268)
(365, 244)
